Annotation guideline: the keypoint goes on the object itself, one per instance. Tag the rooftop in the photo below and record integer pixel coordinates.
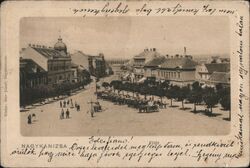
(155, 61)
(181, 63)
(29, 66)
(218, 67)
(49, 52)
(220, 77)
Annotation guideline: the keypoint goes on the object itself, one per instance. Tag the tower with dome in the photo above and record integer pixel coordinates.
(61, 46)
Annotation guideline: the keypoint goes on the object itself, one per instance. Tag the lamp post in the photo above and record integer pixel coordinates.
(96, 80)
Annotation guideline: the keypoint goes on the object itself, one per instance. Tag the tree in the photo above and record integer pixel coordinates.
(160, 92)
(144, 90)
(171, 93)
(210, 98)
(225, 100)
(182, 94)
(195, 95)
(116, 84)
(105, 85)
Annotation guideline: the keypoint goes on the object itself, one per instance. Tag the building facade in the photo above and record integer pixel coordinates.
(31, 75)
(179, 70)
(55, 61)
(204, 71)
(96, 65)
(140, 60)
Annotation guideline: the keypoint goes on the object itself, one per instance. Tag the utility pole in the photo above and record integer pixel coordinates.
(91, 108)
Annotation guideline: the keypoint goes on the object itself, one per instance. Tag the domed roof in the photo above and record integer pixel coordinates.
(60, 45)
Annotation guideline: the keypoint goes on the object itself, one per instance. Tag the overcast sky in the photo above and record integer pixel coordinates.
(125, 37)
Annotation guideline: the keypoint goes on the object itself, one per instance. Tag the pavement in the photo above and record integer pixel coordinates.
(120, 120)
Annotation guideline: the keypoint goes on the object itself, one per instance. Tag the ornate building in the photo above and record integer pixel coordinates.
(55, 61)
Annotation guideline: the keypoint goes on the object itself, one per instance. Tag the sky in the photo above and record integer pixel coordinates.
(125, 37)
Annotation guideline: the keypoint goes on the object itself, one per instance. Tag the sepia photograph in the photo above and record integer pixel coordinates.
(122, 76)
(124, 83)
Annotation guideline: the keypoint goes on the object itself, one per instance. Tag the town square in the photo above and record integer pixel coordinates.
(141, 90)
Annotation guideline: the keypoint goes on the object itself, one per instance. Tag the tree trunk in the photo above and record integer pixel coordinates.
(182, 104)
(161, 99)
(171, 103)
(194, 107)
(229, 114)
(211, 109)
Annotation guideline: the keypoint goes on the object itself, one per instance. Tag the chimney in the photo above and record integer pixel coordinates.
(154, 49)
(29, 45)
(167, 55)
(33, 45)
(177, 55)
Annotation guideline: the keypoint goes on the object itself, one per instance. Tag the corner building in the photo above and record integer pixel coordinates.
(56, 61)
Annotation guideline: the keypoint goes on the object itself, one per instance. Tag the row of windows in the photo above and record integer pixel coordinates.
(59, 77)
(37, 81)
(59, 67)
(169, 74)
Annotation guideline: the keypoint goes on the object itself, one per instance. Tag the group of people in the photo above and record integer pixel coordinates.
(65, 106)
(68, 104)
(31, 118)
(66, 114)
(143, 105)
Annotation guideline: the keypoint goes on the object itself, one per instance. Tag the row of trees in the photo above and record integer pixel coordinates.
(42, 92)
(192, 93)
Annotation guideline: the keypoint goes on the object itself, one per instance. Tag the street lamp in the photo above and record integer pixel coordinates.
(96, 80)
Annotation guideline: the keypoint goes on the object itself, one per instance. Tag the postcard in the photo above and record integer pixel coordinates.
(125, 84)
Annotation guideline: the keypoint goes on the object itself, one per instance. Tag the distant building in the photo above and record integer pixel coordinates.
(55, 61)
(204, 71)
(80, 74)
(117, 61)
(178, 69)
(151, 68)
(219, 78)
(96, 65)
(139, 61)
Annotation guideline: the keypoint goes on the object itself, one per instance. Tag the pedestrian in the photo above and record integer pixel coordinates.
(64, 103)
(62, 114)
(92, 111)
(68, 102)
(67, 113)
(29, 119)
(75, 104)
(33, 117)
(78, 107)
(61, 104)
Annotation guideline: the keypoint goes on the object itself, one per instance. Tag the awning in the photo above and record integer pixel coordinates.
(141, 80)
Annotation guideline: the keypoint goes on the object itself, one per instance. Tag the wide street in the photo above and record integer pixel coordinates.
(120, 120)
